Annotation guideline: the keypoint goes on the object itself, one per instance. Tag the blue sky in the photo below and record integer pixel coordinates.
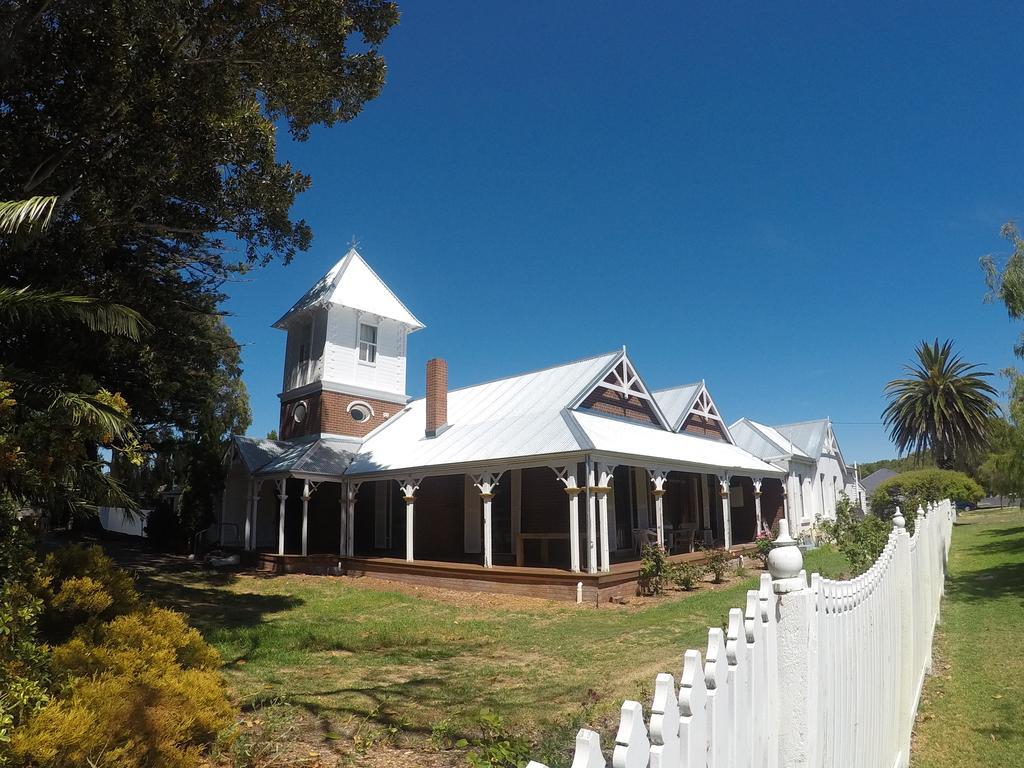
(781, 199)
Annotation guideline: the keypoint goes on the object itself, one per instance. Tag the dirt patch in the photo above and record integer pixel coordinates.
(637, 602)
(458, 598)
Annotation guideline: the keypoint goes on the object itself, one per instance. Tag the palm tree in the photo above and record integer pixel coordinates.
(24, 307)
(943, 406)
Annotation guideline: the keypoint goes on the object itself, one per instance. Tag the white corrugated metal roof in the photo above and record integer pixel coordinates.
(809, 435)
(352, 283)
(634, 439)
(509, 418)
(675, 402)
(753, 435)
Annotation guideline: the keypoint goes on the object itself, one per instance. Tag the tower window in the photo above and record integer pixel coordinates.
(359, 411)
(367, 343)
(306, 343)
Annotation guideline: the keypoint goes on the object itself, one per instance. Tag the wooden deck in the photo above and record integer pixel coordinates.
(550, 583)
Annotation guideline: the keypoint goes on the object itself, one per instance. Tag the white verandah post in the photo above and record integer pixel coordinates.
(282, 497)
(409, 487)
(567, 476)
(723, 484)
(257, 486)
(346, 546)
(602, 492)
(757, 504)
(247, 536)
(591, 519)
(658, 479)
(308, 489)
(487, 482)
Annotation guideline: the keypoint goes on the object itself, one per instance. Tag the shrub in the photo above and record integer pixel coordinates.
(654, 571)
(687, 575)
(909, 490)
(859, 541)
(140, 690)
(126, 685)
(154, 718)
(84, 585)
(764, 543)
(24, 675)
(717, 563)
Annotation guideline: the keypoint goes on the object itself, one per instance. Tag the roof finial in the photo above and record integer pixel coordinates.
(353, 244)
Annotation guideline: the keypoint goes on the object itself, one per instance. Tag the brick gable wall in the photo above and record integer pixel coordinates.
(700, 425)
(615, 403)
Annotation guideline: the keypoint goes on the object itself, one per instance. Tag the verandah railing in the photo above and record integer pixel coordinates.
(808, 674)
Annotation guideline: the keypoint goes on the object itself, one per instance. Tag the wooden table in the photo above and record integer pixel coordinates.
(543, 538)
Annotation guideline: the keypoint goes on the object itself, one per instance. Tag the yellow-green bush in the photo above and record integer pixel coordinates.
(131, 685)
(141, 690)
(155, 718)
(84, 585)
(146, 639)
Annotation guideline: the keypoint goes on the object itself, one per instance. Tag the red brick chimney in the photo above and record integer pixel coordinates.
(437, 396)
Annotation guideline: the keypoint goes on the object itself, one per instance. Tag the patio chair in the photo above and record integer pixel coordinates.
(645, 537)
(683, 536)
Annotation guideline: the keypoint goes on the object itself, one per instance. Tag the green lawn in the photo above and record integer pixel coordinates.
(972, 710)
(343, 668)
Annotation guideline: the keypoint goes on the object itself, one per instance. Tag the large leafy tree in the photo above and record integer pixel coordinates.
(942, 407)
(153, 124)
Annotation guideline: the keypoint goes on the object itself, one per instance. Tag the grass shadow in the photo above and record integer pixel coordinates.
(211, 607)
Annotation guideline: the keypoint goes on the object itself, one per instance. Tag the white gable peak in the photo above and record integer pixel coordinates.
(352, 283)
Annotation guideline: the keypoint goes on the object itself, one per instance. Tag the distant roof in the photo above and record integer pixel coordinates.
(512, 417)
(764, 441)
(808, 435)
(675, 402)
(876, 478)
(352, 283)
(321, 457)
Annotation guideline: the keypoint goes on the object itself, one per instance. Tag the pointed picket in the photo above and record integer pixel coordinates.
(740, 658)
(693, 721)
(588, 750)
(665, 724)
(716, 670)
(631, 745)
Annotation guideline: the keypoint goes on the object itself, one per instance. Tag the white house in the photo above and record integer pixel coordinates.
(809, 453)
(536, 476)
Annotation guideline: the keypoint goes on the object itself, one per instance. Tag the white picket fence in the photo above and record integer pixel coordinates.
(809, 674)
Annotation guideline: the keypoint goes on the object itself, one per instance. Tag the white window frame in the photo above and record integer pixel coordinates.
(367, 346)
(362, 404)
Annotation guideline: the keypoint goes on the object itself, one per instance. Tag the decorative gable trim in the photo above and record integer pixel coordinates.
(702, 418)
(829, 446)
(619, 391)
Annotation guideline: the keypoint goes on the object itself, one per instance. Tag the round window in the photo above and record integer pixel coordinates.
(359, 413)
(299, 412)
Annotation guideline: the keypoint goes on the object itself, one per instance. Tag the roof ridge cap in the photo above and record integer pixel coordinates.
(528, 373)
(678, 386)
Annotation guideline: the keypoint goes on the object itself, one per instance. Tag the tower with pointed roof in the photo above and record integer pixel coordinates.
(345, 355)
